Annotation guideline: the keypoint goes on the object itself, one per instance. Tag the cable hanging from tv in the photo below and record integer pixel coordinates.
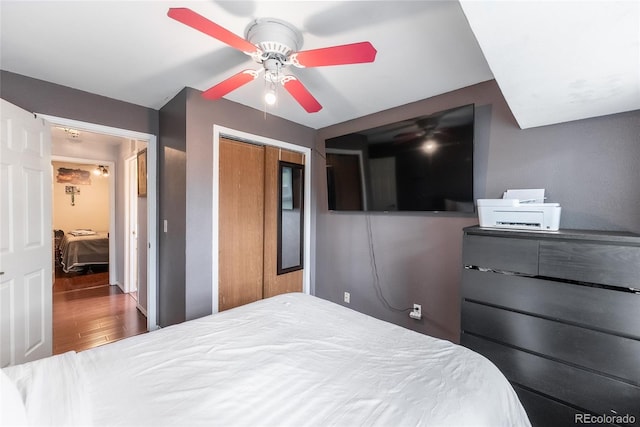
(376, 276)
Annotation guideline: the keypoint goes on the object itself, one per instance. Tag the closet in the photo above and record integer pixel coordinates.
(248, 223)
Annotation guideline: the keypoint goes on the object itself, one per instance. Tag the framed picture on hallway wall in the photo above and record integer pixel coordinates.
(142, 173)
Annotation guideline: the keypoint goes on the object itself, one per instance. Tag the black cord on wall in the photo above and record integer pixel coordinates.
(374, 269)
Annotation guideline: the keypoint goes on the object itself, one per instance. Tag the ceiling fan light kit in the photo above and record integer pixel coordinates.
(275, 44)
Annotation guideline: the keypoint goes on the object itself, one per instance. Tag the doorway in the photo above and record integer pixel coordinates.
(27, 243)
(93, 303)
(83, 200)
(117, 239)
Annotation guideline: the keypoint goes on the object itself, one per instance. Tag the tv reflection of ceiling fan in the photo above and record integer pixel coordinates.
(275, 44)
(423, 128)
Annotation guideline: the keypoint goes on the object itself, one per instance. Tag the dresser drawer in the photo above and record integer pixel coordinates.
(614, 265)
(543, 412)
(596, 351)
(498, 253)
(592, 307)
(576, 387)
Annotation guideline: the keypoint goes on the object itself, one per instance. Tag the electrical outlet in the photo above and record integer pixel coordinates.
(347, 297)
(416, 313)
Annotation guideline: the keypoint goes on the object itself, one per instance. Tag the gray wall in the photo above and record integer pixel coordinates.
(199, 117)
(171, 208)
(61, 101)
(588, 166)
(202, 115)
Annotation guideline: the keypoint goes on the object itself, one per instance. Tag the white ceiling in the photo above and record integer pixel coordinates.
(557, 61)
(75, 136)
(553, 62)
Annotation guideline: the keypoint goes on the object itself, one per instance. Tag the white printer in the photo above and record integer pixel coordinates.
(520, 210)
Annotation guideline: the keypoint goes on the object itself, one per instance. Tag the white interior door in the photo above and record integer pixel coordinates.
(26, 242)
(131, 220)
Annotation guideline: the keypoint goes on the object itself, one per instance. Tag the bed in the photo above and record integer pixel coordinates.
(293, 359)
(82, 248)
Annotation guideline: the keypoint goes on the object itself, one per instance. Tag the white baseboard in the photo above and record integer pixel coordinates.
(142, 310)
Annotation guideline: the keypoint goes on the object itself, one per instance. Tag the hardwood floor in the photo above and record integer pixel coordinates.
(92, 314)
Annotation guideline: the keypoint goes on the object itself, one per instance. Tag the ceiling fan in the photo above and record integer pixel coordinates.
(275, 44)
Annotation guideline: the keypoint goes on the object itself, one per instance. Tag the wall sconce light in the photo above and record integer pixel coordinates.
(101, 170)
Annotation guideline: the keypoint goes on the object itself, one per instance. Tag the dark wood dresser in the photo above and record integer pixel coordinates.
(559, 314)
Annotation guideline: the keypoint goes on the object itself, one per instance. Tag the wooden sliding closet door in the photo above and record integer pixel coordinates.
(241, 223)
(289, 282)
(248, 224)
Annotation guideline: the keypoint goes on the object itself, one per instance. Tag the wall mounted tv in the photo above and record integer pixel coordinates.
(421, 164)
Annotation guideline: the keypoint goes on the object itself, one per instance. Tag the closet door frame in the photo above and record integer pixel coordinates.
(224, 132)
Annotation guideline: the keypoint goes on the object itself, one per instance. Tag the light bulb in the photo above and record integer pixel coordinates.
(270, 97)
(101, 170)
(429, 146)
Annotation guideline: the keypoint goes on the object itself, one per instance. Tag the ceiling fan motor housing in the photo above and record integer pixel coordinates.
(274, 37)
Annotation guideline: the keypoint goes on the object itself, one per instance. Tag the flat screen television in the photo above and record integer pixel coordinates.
(421, 164)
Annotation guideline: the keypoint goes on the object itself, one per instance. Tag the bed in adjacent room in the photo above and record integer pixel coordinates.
(293, 359)
(83, 248)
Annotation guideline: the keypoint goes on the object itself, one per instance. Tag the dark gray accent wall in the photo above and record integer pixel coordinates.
(588, 166)
(172, 209)
(202, 114)
(43, 97)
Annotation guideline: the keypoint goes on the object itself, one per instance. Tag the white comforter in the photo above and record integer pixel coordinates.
(289, 360)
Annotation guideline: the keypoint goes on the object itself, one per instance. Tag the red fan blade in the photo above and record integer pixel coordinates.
(200, 23)
(301, 94)
(354, 53)
(230, 84)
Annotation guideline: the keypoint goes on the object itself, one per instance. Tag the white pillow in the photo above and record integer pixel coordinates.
(12, 410)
